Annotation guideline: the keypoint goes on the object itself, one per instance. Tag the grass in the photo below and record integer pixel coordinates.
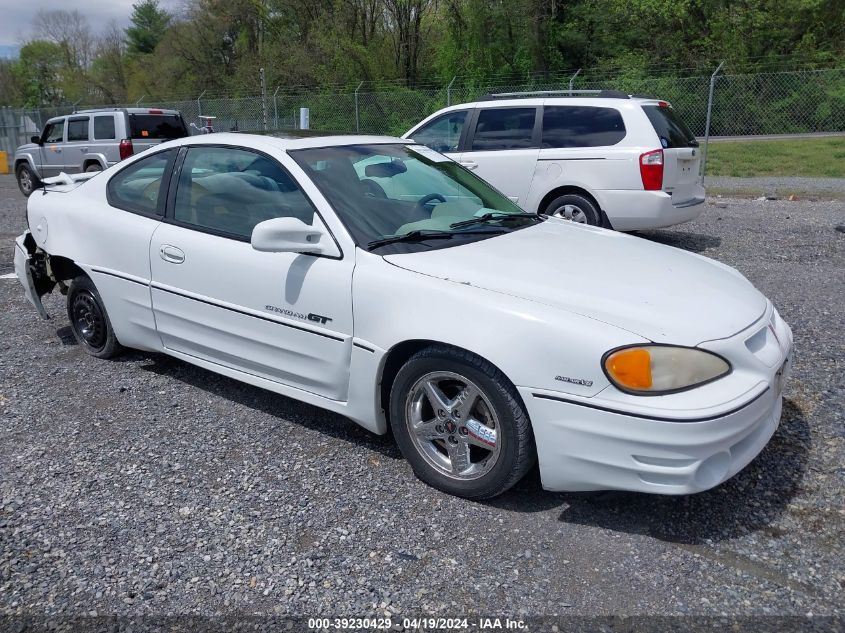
(819, 157)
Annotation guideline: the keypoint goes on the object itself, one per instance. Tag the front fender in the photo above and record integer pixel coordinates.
(535, 345)
(30, 160)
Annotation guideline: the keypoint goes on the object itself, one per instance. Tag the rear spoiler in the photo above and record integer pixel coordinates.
(66, 182)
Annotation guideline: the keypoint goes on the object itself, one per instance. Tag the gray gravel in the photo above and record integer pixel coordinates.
(783, 186)
(146, 485)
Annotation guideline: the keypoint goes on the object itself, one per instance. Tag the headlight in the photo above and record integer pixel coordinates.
(658, 369)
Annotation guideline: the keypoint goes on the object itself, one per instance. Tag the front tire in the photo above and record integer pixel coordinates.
(27, 180)
(460, 423)
(576, 208)
(90, 321)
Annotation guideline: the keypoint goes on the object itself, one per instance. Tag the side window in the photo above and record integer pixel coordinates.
(504, 128)
(104, 127)
(54, 132)
(444, 133)
(230, 190)
(139, 187)
(581, 126)
(77, 129)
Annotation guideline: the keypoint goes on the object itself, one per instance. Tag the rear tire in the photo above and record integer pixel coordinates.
(576, 208)
(27, 180)
(90, 321)
(469, 435)
(93, 167)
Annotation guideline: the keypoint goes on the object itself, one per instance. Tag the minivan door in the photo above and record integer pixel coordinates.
(503, 147)
(681, 154)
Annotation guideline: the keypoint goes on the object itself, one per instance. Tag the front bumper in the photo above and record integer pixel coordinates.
(34, 283)
(594, 444)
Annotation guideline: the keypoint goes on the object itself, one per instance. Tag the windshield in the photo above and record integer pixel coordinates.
(389, 191)
(671, 129)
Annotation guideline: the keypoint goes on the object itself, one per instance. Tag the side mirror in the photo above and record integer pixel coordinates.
(286, 235)
(35, 139)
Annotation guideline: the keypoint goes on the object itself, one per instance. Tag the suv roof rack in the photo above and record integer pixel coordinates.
(605, 94)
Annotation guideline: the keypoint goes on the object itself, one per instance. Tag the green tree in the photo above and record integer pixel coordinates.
(39, 72)
(149, 25)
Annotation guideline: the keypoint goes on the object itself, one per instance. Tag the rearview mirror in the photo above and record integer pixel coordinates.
(385, 170)
(286, 235)
(35, 139)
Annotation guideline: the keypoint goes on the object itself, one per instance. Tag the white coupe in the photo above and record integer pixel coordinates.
(379, 279)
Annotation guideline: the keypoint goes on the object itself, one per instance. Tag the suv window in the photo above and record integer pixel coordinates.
(104, 127)
(157, 126)
(77, 129)
(139, 187)
(230, 190)
(581, 126)
(671, 130)
(444, 133)
(54, 132)
(504, 128)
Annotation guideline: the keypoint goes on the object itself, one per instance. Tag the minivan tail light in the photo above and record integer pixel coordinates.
(125, 148)
(651, 170)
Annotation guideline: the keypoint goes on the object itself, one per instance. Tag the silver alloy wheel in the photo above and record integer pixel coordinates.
(25, 180)
(570, 212)
(453, 425)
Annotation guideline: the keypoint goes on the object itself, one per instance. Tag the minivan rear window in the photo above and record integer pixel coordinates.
(157, 126)
(670, 128)
(581, 126)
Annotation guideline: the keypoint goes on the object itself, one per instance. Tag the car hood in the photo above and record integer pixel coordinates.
(661, 293)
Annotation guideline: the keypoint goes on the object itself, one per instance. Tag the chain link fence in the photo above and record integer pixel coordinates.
(794, 102)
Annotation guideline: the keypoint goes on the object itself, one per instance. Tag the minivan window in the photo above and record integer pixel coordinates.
(77, 129)
(54, 132)
(581, 126)
(504, 128)
(104, 127)
(444, 133)
(670, 128)
(138, 187)
(157, 126)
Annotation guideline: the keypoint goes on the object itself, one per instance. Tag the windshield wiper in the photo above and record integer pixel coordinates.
(411, 236)
(495, 216)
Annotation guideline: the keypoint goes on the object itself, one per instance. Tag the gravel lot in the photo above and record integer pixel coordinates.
(148, 486)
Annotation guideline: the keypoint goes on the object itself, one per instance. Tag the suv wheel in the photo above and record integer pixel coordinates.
(460, 423)
(575, 208)
(27, 180)
(94, 167)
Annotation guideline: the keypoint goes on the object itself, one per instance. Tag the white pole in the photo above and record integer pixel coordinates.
(707, 122)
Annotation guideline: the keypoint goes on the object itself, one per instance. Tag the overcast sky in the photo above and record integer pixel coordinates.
(16, 16)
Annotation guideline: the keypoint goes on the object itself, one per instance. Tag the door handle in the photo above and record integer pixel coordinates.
(469, 164)
(171, 254)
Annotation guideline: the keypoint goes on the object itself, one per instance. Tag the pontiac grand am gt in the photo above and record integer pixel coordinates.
(381, 280)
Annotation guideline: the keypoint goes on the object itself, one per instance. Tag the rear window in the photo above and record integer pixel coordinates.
(104, 127)
(581, 126)
(157, 126)
(671, 130)
(77, 129)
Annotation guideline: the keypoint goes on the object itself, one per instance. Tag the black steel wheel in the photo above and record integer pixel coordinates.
(89, 320)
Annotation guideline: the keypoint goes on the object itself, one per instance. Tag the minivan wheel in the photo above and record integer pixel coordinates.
(460, 423)
(89, 320)
(574, 207)
(27, 180)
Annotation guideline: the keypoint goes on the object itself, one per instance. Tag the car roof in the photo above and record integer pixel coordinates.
(539, 100)
(285, 143)
(128, 110)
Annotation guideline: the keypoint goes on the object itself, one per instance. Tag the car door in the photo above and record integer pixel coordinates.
(285, 317)
(52, 142)
(502, 148)
(76, 148)
(444, 133)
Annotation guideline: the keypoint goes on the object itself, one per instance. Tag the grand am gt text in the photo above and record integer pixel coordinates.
(485, 337)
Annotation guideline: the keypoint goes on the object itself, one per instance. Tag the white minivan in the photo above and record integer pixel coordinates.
(607, 159)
